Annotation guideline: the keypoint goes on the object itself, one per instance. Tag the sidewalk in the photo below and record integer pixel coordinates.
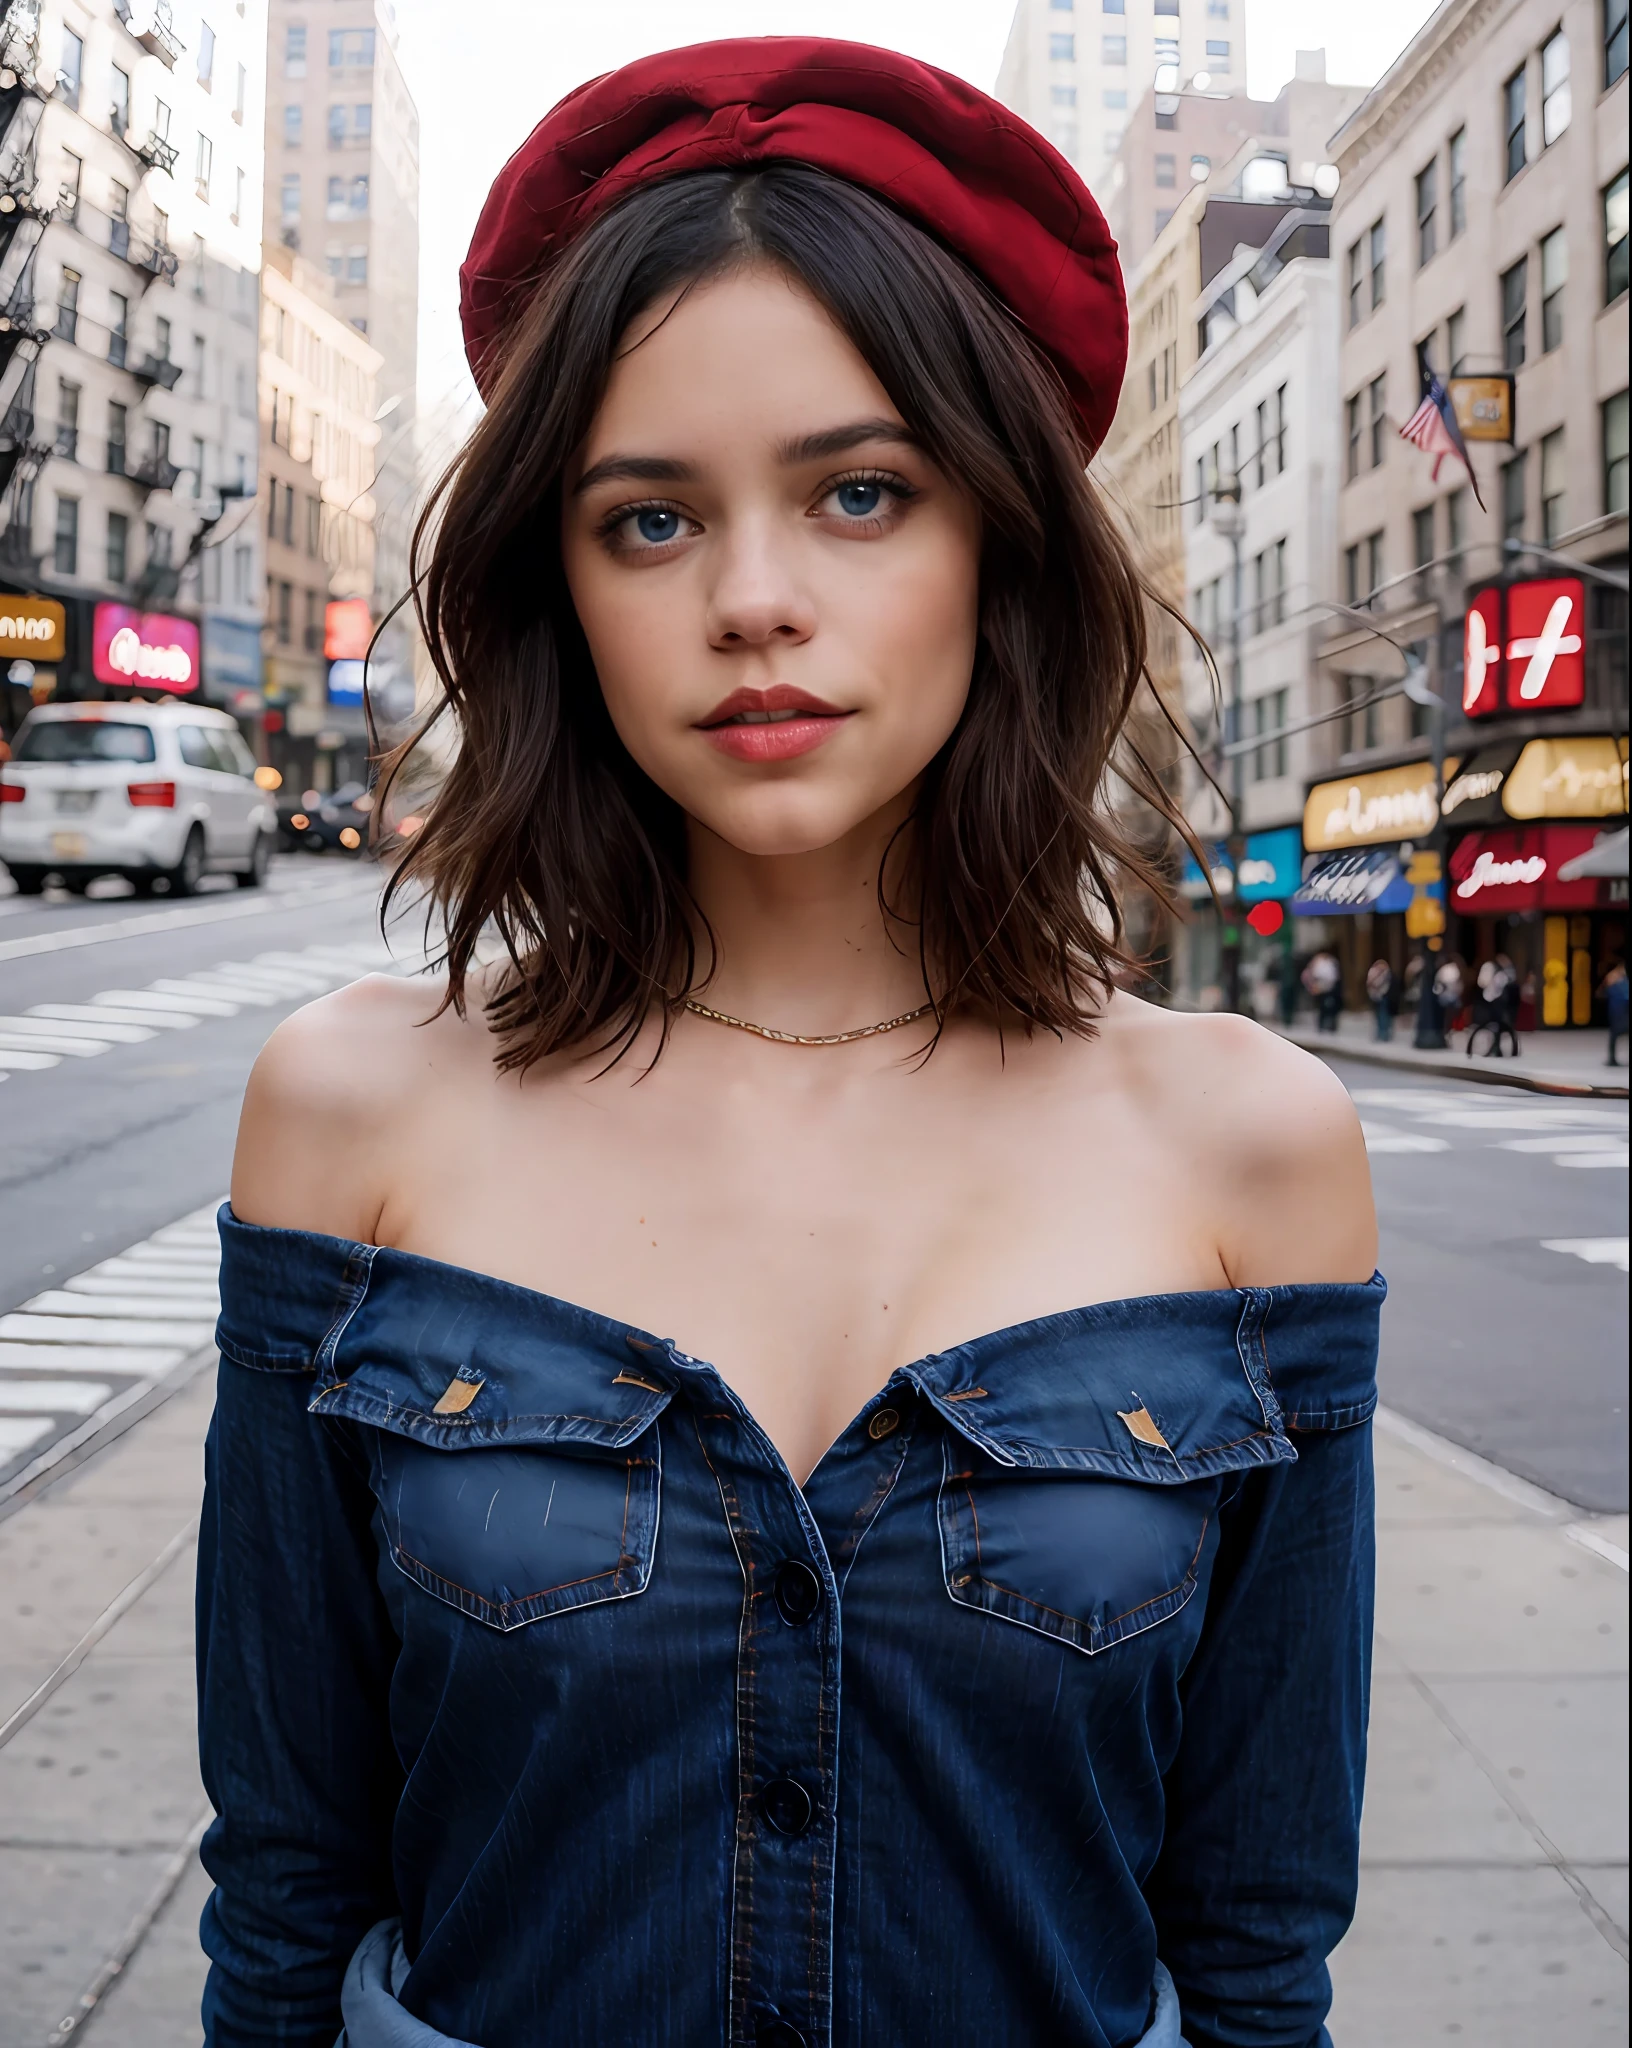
(1571, 1061)
(1493, 1905)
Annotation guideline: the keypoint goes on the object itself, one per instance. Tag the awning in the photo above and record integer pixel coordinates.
(1606, 859)
(1343, 884)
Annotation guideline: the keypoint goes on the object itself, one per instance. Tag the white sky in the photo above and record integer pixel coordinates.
(485, 72)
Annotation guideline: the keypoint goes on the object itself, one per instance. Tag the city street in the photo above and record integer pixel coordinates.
(1495, 1854)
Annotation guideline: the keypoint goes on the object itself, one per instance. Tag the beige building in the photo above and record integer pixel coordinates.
(1481, 227)
(1076, 71)
(342, 190)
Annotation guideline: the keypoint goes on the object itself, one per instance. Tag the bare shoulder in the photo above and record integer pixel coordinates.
(326, 1102)
(1269, 1129)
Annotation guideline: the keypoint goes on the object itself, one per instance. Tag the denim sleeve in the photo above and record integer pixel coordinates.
(295, 1653)
(1259, 1868)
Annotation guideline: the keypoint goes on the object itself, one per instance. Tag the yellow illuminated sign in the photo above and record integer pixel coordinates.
(1372, 810)
(1483, 407)
(32, 629)
(1568, 778)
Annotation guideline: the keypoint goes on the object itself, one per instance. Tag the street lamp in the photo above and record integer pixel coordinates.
(1229, 522)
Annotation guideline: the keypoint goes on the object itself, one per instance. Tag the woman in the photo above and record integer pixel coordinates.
(830, 1672)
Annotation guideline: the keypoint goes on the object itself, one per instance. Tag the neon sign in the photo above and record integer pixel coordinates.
(1488, 872)
(134, 648)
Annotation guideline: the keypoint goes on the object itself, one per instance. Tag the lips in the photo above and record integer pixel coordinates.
(771, 725)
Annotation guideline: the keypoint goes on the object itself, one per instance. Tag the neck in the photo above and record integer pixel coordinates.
(801, 942)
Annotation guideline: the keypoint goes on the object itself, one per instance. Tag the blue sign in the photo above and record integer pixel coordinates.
(1270, 866)
(232, 653)
(346, 681)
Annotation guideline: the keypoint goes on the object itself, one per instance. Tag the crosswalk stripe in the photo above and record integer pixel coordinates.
(53, 1397)
(140, 1361)
(66, 1329)
(21, 1433)
(88, 1013)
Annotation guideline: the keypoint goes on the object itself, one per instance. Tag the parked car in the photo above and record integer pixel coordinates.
(327, 821)
(149, 791)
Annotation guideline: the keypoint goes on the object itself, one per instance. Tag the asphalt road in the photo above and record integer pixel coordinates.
(1494, 1335)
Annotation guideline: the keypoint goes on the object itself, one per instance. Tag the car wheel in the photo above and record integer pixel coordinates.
(30, 881)
(186, 874)
(260, 859)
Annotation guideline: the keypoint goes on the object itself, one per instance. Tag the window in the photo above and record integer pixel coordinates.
(1513, 291)
(195, 375)
(237, 195)
(118, 431)
(1167, 172)
(1428, 212)
(1377, 409)
(1513, 124)
(1351, 438)
(1260, 445)
(1555, 88)
(201, 167)
(119, 109)
(1613, 437)
(1167, 7)
(1356, 272)
(294, 50)
(1374, 564)
(73, 177)
(1167, 51)
(1198, 511)
(356, 45)
(1614, 40)
(337, 127)
(206, 56)
(161, 339)
(357, 266)
(1456, 339)
(1218, 56)
(1113, 49)
(1422, 536)
(73, 68)
(1513, 482)
(1555, 274)
(285, 626)
(1456, 522)
(1279, 438)
(1062, 95)
(1376, 259)
(67, 420)
(241, 94)
(65, 538)
(293, 121)
(1552, 487)
(118, 547)
(1269, 715)
(67, 328)
(1062, 49)
(1217, 10)
(118, 329)
(1457, 156)
(1114, 99)
(1351, 575)
(1615, 210)
(289, 202)
(314, 526)
(288, 515)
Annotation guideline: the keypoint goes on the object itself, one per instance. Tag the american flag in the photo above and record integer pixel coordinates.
(1433, 429)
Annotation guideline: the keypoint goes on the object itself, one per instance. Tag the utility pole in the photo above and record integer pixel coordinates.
(1229, 523)
(1430, 1034)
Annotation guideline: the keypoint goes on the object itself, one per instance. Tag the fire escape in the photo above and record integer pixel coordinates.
(23, 92)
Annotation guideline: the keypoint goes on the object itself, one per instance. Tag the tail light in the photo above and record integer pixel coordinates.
(152, 796)
(12, 792)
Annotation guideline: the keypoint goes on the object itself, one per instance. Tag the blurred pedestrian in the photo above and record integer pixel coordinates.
(1495, 1005)
(1448, 992)
(1323, 978)
(1380, 985)
(1613, 989)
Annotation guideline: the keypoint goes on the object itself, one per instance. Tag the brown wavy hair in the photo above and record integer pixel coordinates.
(546, 830)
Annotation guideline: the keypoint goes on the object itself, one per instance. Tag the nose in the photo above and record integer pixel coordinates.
(758, 598)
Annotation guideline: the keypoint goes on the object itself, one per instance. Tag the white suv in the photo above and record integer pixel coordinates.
(143, 790)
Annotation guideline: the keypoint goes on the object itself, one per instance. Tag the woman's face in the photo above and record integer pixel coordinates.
(779, 589)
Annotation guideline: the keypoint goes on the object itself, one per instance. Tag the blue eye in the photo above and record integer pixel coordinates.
(655, 525)
(859, 499)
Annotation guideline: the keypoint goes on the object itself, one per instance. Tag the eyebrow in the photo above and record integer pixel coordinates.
(664, 469)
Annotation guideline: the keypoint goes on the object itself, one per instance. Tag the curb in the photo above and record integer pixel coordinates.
(1326, 1046)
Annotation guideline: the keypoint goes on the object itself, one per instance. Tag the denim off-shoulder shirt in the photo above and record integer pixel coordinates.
(514, 1624)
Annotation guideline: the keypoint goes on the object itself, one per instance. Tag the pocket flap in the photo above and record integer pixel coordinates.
(1162, 1389)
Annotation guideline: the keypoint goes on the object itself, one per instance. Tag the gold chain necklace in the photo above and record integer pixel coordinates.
(798, 1038)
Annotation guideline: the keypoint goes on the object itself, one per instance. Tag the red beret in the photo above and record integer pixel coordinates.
(955, 162)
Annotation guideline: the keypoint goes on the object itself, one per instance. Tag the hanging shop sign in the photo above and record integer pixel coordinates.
(1493, 873)
(143, 650)
(1373, 810)
(1269, 867)
(347, 629)
(1524, 646)
(1343, 884)
(1484, 407)
(32, 629)
(1472, 794)
(232, 654)
(1582, 777)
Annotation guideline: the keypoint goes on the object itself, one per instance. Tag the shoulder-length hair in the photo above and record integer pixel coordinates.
(547, 831)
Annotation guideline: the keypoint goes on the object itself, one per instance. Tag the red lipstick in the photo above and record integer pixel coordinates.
(771, 725)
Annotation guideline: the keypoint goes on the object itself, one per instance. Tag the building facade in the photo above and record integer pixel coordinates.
(319, 391)
(1075, 69)
(1481, 230)
(130, 190)
(342, 152)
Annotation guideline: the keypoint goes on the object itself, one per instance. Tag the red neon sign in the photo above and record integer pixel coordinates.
(143, 650)
(1524, 647)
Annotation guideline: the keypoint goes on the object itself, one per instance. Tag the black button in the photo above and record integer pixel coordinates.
(798, 1591)
(778, 2033)
(787, 1806)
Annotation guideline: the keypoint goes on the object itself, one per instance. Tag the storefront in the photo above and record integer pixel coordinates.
(1359, 836)
(1270, 865)
(33, 640)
